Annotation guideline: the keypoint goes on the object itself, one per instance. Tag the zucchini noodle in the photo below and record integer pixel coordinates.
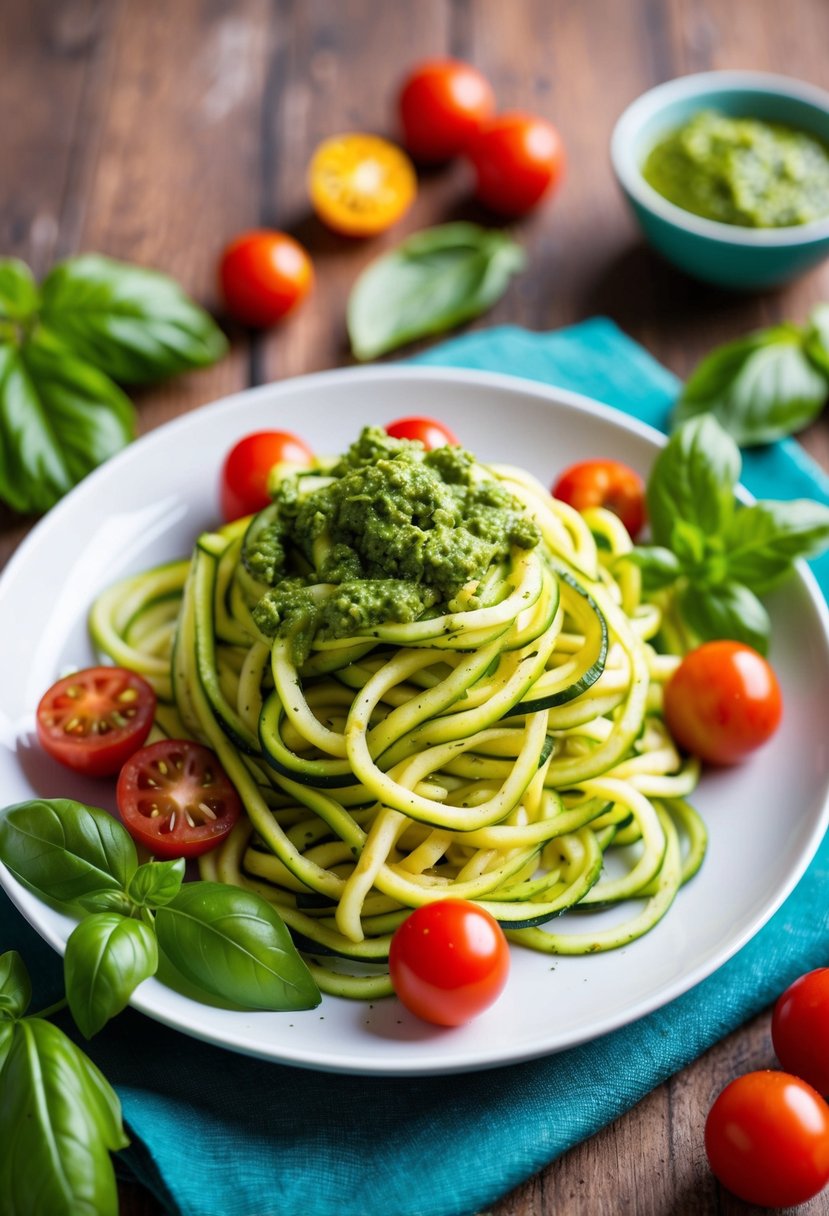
(507, 748)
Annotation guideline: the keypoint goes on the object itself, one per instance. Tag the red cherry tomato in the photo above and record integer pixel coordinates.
(723, 702)
(263, 276)
(93, 720)
(517, 159)
(443, 103)
(175, 798)
(604, 483)
(800, 1029)
(244, 481)
(428, 431)
(449, 961)
(767, 1139)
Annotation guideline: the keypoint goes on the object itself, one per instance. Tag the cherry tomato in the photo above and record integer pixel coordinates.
(175, 798)
(449, 961)
(800, 1029)
(604, 483)
(767, 1139)
(360, 184)
(443, 103)
(264, 275)
(93, 720)
(244, 481)
(429, 432)
(517, 159)
(723, 702)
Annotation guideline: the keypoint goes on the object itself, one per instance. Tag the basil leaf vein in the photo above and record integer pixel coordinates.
(59, 419)
(65, 850)
(727, 611)
(135, 324)
(156, 883)
(432, 282)
(759, 388)
(763, 540)
(58, 1124)
(107, 957)
(693, 480)
(15, 986)
(232, 944)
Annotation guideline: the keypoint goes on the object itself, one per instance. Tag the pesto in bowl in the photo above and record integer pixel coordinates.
(742, 171)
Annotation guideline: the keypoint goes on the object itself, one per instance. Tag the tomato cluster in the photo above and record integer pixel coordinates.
(447, 109)
(360, 184)
(173, 796)
(767, 1133)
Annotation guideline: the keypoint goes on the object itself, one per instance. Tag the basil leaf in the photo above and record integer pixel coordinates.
(65, 850)
(729, 611)
(133, 324)
(107, 957)
(435, 280)
(15, 986)
(764, 540)
(688, 542)
(693, 479)
(759, 388)
(57, 1127)
(659, 567)
(59, 419)
(817, 338)
(106, 901)
(6, 1038)
(19, 296)
(156, 883)
(232, 943)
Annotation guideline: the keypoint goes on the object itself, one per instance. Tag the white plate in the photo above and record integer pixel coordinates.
(148, 504)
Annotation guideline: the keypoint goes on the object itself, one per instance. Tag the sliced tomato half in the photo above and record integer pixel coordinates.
(175, 798)
(93, 720)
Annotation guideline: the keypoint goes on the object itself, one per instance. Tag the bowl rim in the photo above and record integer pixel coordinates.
(698, 84)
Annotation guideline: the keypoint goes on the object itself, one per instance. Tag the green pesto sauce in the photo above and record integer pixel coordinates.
(398, 532)
(742, 171)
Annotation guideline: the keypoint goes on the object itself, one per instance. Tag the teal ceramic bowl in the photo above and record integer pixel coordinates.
(725, 254)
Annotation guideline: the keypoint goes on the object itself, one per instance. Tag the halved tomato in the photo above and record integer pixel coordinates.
(93, 720)
(175, 798)
(360, 184)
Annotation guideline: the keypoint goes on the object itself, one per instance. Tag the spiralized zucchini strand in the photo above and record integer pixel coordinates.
(510, 750)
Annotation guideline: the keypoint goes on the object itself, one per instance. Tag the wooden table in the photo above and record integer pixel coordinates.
(154, 131)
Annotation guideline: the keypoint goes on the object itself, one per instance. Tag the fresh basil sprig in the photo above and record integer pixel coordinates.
(433, 281)
(93, 321)
(59, 1117)
(712, 556)
(229, 942)
(767, 385)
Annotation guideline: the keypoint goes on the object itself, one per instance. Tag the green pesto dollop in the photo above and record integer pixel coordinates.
(391, 532)
(742, 171)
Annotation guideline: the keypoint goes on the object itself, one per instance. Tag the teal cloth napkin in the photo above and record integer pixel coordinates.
(217, 1134)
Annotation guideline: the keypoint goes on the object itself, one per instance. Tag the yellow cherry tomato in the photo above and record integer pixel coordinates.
(360, 184)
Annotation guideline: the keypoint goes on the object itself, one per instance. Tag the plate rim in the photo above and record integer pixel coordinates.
(573, 401)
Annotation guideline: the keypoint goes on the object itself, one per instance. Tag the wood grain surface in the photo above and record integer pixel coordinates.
(154, 130)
